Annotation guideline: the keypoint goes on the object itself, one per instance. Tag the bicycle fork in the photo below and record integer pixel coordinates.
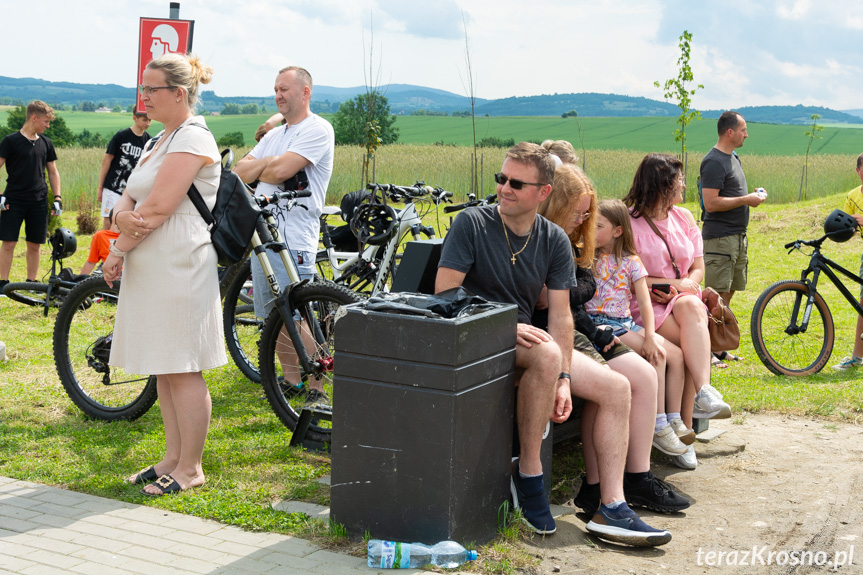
(793, 328)
(269, 232)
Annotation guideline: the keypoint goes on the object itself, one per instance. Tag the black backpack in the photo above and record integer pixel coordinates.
(233, 219)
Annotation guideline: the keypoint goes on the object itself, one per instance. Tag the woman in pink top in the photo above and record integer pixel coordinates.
(679, 314)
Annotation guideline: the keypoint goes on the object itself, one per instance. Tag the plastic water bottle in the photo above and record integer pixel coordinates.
(393, 555)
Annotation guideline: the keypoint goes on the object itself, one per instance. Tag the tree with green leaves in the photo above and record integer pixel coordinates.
(365, 119)
(677, 90)
(232, 140)
(812, 134)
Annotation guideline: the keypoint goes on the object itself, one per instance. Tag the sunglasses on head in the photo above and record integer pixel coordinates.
(514, 184)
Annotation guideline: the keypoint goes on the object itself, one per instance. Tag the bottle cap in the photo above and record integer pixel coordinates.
(471, 555)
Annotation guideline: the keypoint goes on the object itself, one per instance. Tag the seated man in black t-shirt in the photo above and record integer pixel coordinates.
(506, 253)
(26, 155)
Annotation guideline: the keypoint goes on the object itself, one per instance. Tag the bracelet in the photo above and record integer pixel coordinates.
(58, 197)
(564, 375)
(115, 250)
(117, 214)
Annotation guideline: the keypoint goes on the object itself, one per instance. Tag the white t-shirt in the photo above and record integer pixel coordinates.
(313, 139)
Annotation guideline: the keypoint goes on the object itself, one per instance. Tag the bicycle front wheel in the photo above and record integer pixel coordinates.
(318, 304)
(83, 332)
(242, 327)
(28, 293)
(778, 338)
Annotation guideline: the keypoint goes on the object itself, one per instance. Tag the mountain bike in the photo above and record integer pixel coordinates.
(378, 231)
(792, 327)
(298, 332)
(52, 292)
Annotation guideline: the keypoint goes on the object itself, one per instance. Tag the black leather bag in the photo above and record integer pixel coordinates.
(232, 221)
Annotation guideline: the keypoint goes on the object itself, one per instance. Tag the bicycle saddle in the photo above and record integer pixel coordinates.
(839, 226)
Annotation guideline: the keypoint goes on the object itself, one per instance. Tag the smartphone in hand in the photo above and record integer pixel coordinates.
(619, 331)
(664, 288)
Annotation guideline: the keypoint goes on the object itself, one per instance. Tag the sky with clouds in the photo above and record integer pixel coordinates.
(747, 53)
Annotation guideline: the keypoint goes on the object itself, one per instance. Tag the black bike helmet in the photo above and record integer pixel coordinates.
(374, 224)
(839, 226)
(63, 243)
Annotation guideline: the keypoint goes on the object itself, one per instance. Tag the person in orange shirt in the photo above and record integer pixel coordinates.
(99, 248)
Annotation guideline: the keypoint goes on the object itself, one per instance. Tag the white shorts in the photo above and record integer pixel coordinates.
(109, 198)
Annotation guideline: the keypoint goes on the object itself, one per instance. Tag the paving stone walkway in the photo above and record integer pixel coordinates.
(51, 531)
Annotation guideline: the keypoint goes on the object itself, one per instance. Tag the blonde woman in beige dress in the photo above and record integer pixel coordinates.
(168, 318)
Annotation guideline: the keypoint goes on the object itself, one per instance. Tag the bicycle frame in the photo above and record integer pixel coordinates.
(341, 262)
(817, 264)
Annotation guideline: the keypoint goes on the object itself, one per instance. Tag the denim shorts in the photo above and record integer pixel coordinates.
(616, 322)
(264, 301)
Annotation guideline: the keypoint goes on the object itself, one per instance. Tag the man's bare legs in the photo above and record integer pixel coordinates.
(7, 252)
(604, 423)
(33, 254)
(536, 390)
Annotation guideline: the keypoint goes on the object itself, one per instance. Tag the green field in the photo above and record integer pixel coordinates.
(636, 134)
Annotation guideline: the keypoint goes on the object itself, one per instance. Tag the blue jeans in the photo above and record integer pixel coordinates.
(624, 322)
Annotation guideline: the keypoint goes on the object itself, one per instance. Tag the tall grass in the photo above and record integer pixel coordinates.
(449, 168)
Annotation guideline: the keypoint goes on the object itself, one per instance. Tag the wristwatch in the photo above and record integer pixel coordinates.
(115, 250)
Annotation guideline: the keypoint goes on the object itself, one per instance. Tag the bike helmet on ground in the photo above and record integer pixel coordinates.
(839, 226)
(374, 224)
(63, 243)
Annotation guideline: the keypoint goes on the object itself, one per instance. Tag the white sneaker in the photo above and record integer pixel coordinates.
(709, 404)
(685, 434)
(687, 460)
(849, 362)
(666, 441)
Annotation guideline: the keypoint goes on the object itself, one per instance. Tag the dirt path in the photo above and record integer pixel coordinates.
(787, 485)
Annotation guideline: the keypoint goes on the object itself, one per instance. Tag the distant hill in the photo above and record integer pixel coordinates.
(588, 104)
(405, 99)
(798, 114)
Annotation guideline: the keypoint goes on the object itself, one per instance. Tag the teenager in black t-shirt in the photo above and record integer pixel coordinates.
(27, 154)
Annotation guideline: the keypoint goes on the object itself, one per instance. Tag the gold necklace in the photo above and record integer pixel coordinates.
(509, 245)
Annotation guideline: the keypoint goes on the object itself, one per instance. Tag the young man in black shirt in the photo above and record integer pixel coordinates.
(124, 149)
(27, 154)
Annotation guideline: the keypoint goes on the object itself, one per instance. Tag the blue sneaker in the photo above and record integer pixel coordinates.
(529, 496)
(622, 525)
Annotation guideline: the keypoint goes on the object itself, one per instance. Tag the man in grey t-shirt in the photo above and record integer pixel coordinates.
(506, 253)
(726, 203)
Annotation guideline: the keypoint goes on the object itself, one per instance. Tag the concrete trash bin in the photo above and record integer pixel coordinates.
(422, 424)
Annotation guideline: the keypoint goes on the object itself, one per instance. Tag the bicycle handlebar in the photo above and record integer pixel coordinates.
(409, 193)
(276, 197)
(489, 199)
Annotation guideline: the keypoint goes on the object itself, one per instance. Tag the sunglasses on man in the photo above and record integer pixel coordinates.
(514, 184)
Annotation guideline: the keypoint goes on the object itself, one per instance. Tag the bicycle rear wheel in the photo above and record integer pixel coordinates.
(242, 327)
(780, 344)
(28, 293)
(318, 304)
(83, 332)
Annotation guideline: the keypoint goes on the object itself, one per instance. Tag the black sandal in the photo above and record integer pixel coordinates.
(146, 476)
(166, 484)
(727, 356)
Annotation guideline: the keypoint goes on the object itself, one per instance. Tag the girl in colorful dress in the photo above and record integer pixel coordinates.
(619, 272)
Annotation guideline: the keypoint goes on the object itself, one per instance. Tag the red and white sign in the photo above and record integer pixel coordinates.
(160, 36)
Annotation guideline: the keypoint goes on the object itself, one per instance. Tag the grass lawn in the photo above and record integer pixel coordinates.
(44, 438)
